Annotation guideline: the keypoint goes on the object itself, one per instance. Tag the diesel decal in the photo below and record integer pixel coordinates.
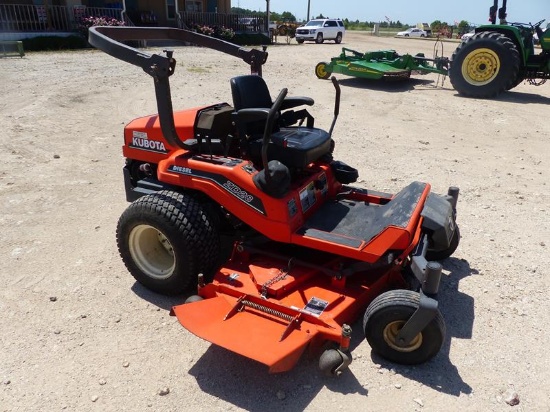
(181, 170)
(252, 201)
(237, 191)
(142, 142)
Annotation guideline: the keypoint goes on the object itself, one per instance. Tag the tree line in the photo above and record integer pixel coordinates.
(436, 26)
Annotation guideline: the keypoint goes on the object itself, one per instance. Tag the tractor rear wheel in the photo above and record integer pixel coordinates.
(517, 82)
(321, 70)
(166, 239)
(485, 65)
(385, 317)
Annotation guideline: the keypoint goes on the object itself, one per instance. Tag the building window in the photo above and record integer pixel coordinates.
(193, 5)
(170, 9)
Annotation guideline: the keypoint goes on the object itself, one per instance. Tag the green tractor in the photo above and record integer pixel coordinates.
(498, 57)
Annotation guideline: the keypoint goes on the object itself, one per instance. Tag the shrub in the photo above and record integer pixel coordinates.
(251, 39)
(220, 32)
(54, 43)
(91, 21)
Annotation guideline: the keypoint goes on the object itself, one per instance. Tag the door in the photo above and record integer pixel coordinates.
(212, 6)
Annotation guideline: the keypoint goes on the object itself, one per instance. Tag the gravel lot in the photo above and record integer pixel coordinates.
(79, 334)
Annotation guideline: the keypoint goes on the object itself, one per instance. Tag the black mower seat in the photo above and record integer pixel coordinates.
(295, 147)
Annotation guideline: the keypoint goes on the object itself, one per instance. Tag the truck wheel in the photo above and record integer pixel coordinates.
(338, 38)
(319, 39)
(385, 317)
(444, 254)
(321, 71)
(300, 41)
(485, 65)
(166, 239)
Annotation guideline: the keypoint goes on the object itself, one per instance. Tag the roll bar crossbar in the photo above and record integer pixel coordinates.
(161, 67)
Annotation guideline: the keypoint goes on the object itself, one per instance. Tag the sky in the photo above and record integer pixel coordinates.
(406, 11)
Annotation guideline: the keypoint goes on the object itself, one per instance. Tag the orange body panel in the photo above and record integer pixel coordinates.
(229, 182)
(259, 305)
(143, 138)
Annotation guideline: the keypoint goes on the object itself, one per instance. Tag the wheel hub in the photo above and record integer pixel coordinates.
(480, 67)
(390, 336)
(151, 251)
(321, 71)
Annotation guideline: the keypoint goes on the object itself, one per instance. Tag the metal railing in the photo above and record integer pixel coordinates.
(251, 23)
(33, 18)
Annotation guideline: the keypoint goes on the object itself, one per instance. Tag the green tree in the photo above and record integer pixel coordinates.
(463, 27)
(288, 16)
(436, 25)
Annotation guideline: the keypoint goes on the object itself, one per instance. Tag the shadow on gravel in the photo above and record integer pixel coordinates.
(247, 384)
(518, 97)
(522, 97)
(458, 311)
(161, 301)
(390, 86)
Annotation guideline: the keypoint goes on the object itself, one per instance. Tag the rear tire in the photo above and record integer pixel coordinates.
(319, 39)
(517, 82)
(485, 65)
(387, 314)
(166, 239)
(338, 38)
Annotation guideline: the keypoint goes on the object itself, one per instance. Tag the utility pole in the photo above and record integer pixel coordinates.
(308, 4)
(268, 16)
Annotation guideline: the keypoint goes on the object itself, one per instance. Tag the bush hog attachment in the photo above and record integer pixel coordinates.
(311, 253)
(381, 64)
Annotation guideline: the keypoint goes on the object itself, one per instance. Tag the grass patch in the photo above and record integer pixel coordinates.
(198, 69)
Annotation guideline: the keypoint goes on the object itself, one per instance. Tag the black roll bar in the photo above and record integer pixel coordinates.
(108, 39)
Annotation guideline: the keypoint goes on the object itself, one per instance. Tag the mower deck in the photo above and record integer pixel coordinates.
(258, 302)
(266, 300)
(380, 64)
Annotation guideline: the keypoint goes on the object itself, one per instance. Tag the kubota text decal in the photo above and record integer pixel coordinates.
(140, 141)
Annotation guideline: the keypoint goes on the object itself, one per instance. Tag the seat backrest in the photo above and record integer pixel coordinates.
(250, 91)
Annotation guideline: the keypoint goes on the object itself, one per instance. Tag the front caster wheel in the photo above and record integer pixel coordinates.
(385, 317)
(329, 362)
(193, 298)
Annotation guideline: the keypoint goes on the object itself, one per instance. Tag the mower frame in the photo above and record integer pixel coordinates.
(310, 252)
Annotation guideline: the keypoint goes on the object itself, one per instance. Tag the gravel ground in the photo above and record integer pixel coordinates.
(79, 334)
